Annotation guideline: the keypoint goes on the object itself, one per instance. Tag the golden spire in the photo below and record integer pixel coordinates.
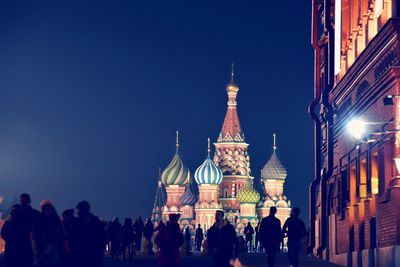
(232, 86)
(208, 146)
(274, 147)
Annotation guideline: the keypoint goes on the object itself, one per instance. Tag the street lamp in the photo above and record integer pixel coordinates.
(357, 128)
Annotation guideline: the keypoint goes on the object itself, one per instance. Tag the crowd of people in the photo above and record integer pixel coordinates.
(34, 238)
(79, 238)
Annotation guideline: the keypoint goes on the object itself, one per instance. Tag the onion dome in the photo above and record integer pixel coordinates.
(273, 169)
(176, 173)
(188, 198)
(208, 172)
(248, 194)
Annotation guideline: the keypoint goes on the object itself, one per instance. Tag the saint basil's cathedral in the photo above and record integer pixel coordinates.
(222, 182)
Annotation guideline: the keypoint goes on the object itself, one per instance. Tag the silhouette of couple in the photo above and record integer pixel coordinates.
(271, 235)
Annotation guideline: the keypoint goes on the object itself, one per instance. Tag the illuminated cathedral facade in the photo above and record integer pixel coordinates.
(223, 181)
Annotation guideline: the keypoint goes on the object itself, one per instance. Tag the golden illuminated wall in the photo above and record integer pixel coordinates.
(360, 20)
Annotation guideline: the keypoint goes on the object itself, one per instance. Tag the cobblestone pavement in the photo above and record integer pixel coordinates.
(248, 260)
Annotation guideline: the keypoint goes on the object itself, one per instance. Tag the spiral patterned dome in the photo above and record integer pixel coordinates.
(248, 194)
(273, 169)
(208, 172)
(188, 198)
(176, 173)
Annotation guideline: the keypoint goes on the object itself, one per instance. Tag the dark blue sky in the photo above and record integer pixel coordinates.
(91, 93)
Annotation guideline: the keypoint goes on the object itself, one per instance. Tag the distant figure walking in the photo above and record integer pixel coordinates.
(127, 238)
(249, 232)
(257, 239)
(296, 230)
(222, 242)
(199, 236)
(114, 236)
(47, 237)
(90, 249)
(148, 234)
(169, 239)
(138, 227)
(188, 241)
(270, 235)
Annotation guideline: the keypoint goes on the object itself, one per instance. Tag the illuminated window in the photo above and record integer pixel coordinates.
(374, 175)
(378, 8)
(363, 178)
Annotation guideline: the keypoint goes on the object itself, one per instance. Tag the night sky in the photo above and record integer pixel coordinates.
(92, 92)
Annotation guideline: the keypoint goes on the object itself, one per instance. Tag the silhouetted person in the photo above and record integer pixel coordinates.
(90, 249)
(114, 237)
(148, 234)
(199, 236)
(47, 237)
(296, 230)
(138, 227)
(15, 241)
(70, 238)
(257, 238)
(169, 239)
(270, 235)
(249, 232)
(127, 237)
(188, 238)
(19, 230)
(222, 242)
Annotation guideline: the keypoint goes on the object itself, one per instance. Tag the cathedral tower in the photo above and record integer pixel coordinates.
(231, 154)
(175, 177)
(273, 176)
(208, 176)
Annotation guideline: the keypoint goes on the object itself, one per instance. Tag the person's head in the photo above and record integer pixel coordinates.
(83, 208)
(25, 199)
(68, 214)
(295, 212)
(15, 211)
(128, 221)
(219, 216)
(148, 220)
(272, 211)
(248, 224)
(173, 218)
(198, 226)
(116, 219)
(47, 209)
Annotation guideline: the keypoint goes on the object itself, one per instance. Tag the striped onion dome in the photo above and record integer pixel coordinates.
(273, 169)
(176, 173)
(248, 194)
(188, 198)
(208, 172)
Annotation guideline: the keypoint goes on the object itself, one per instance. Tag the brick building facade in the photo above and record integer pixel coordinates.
(355, 195)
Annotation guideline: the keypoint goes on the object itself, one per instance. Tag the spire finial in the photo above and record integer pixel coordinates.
(233, 73)
(208, 146)
(177, 140)
(274, 147)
